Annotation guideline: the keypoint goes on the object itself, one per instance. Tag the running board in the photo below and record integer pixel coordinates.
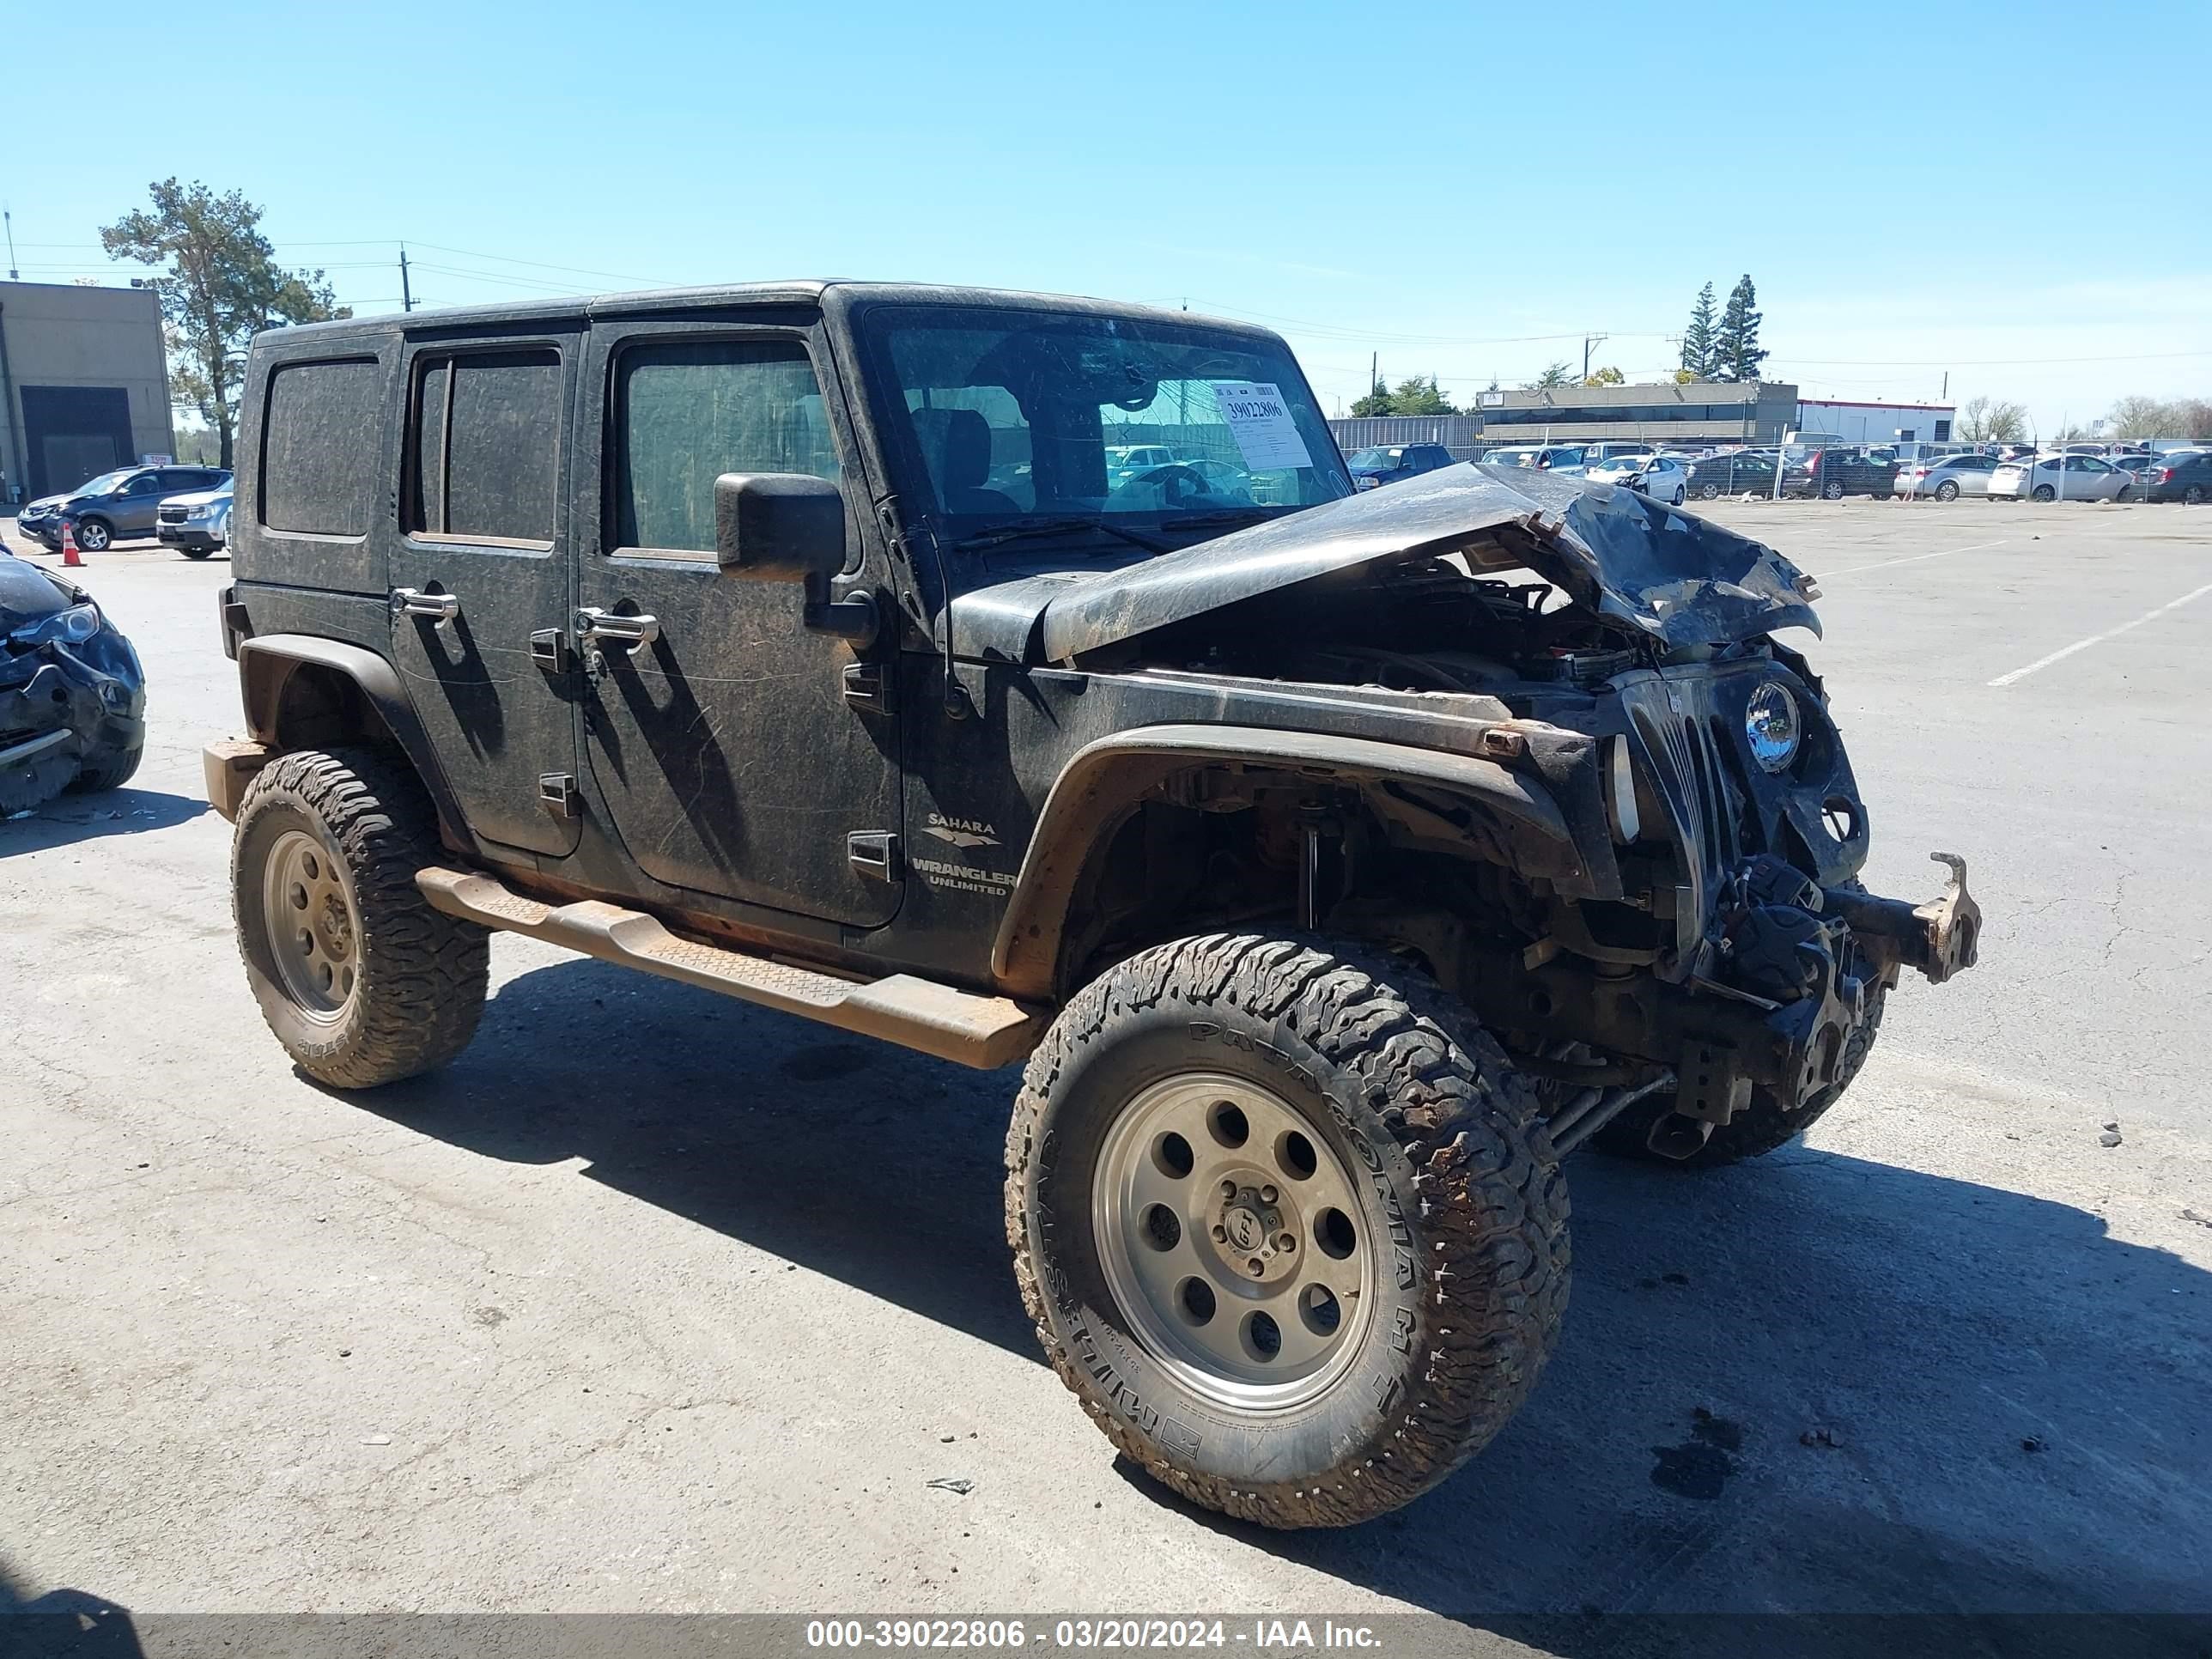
(915, 1013)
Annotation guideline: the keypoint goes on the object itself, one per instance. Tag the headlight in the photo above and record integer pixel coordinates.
(198, 511)
(1772, 724)
(71, 627)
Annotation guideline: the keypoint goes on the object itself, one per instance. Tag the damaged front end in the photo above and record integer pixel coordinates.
(1714, 955)
(72, 694)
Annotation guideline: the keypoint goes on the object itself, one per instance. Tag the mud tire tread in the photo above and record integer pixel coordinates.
(1495, 1209)
(424, 975)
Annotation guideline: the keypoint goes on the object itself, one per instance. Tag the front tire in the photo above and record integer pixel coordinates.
(108, 770)
(1760, 1129)
(93, 536)
(358, 977)
(1286, 1224)
(195, 552)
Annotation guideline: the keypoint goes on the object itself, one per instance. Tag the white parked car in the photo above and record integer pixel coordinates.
(2060, 478)
(1662, 478)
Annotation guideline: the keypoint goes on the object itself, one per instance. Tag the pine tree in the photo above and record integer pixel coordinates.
(1376, 401)
(1698, 338)
(1736, 356)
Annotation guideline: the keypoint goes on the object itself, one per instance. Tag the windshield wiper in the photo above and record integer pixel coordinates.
(1035, 528)
(1213, 521)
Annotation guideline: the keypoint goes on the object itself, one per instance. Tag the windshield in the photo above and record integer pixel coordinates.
(1376, 459)
(103, 484)
(1064, 419)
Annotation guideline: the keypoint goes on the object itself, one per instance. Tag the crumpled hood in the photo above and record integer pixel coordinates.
(26, 594)
(1673, 574)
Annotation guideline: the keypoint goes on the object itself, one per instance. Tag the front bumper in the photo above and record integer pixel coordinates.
(187, 535)
(57, 708)
(47, 532)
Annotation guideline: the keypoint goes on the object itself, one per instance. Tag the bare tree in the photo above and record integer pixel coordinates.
(1990, 420)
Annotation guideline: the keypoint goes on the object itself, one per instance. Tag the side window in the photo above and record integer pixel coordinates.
(685, 412)
(318, 448)
(484, 447)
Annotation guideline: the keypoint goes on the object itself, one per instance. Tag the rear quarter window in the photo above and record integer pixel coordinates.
(318, 448)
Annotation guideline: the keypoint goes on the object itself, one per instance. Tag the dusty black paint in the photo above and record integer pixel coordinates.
(714, 774)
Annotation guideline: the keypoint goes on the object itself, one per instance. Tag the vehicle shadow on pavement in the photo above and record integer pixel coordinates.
(72, 817)
(1813, 1381)
(730, 1115)
(62, 1621)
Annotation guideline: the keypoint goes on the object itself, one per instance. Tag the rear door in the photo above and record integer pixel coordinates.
(737, 751)
(479, 564)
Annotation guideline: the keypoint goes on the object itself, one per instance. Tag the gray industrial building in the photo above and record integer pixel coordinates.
(84, 384)
(1704, 412)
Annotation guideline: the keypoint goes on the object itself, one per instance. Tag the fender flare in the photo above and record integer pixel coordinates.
(1105, 778)
(266, 664)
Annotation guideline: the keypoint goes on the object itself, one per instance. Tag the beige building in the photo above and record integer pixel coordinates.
(84, 384)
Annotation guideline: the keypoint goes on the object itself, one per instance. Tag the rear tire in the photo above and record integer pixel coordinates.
(2193, 495)
(1678, 495)
(1403, 1151)
(1709, 492)
(1947, 491)
(358, 977)
(1832, 491)
(2046, 493)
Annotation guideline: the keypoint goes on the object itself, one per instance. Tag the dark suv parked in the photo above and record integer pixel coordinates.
(1340, 860)
(115, 507)
(1387, 464)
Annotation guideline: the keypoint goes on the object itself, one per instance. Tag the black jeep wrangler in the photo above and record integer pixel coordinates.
(1340, 861)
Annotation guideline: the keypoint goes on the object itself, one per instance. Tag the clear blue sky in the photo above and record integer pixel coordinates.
(2013, 194)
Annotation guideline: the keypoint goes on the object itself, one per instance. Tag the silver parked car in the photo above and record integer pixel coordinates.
(2061, 478)
(1947, 477)
(1662, 478)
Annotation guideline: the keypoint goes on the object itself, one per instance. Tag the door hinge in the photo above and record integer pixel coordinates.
(868, 687)
(549, 649)
(557, 794)
(875, 854)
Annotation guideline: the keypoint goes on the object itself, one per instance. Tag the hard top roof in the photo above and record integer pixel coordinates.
(798, 291)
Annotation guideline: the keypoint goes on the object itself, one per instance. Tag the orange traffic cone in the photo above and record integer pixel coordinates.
(68, 546)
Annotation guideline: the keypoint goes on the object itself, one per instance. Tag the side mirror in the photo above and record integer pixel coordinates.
(779, 526)
(790, 526)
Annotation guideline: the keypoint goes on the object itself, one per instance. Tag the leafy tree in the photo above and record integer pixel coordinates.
(1697, 340)
(1607, 377)
(1418, 397)
(1554, 376)
(1736, 356)
(1376, 401)
(1684, 377)
(1986, 420)
(220, 287)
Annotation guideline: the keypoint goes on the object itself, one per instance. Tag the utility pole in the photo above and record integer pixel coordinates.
(406, 293)
(1374, 367)
(9, 214)
(1589, 340)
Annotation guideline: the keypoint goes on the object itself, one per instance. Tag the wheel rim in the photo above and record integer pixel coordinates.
(1233, 1241)
(93, 538)
(1946, 492)
(312, 925)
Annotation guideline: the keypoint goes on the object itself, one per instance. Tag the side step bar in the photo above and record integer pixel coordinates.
(915, 1013)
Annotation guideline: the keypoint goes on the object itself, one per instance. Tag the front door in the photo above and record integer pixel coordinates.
(729, 755)
(480, 563)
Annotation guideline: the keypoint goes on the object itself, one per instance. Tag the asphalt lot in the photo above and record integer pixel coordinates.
(656, 1302)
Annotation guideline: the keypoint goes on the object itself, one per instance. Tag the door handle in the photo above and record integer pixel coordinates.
(412, 602)
(594, 626)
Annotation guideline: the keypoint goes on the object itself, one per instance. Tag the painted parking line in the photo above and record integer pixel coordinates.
(2065, 652)
(1913, 558)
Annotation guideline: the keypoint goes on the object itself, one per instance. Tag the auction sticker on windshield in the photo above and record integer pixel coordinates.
(1260, 423)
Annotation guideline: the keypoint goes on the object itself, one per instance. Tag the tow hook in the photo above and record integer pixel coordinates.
(1953, 922)
(1941, 938)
